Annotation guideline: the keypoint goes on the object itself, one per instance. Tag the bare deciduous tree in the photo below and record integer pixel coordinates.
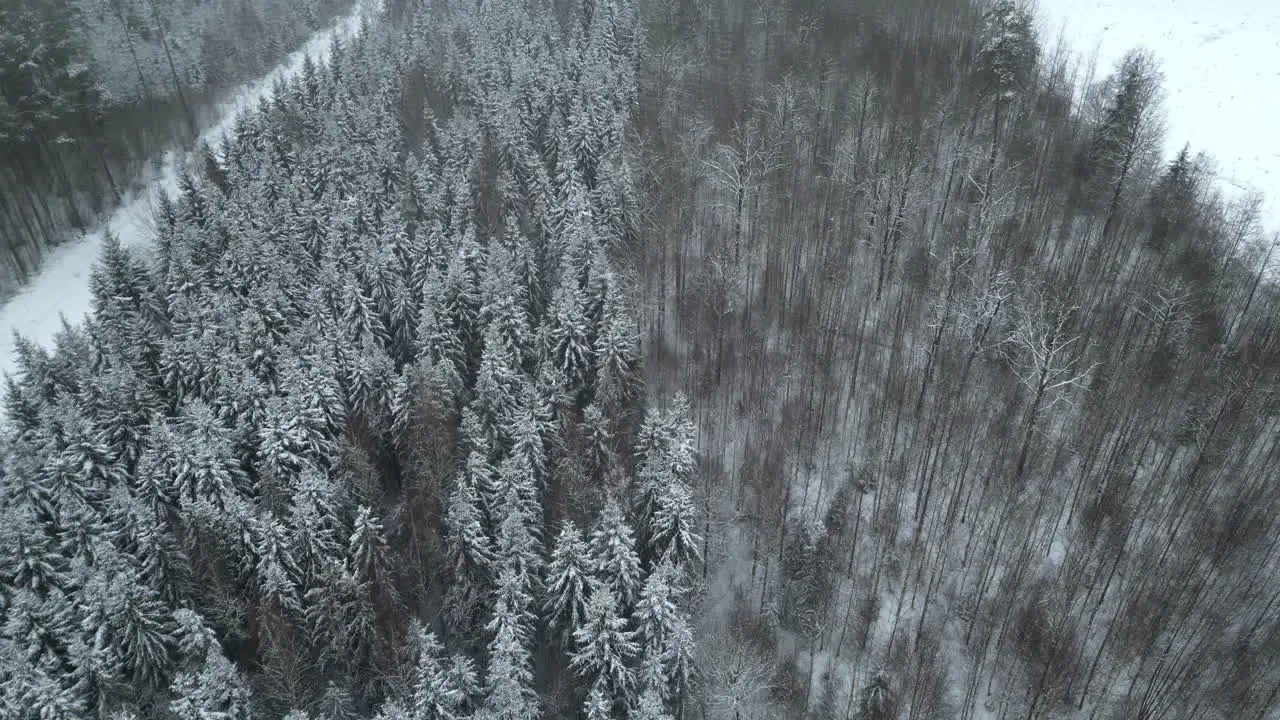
(1049, 360)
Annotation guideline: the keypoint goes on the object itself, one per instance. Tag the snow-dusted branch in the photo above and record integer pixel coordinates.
(1167, 309)
(1044, 353)
(980, 312)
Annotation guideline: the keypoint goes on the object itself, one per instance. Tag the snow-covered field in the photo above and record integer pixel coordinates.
(1222, 78)
(61, 289)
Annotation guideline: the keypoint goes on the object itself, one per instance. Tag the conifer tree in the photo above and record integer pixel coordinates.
(598, 705)
(498, 386)
(611, 548)
(1008, 50)
(440, 342)
(315, 522)
(665, 508)
(370, 563)
(1130, 128)
(569, 334)
(470, 552)
(649, 707)
(509, 689)
(276, 575)
(208, 686)
(137, 531)
(616, 356)
(191, 458)
(657, 612)
(530, 432)
(673, 533)
(441, 689)
(605, 648)
(1173, 200)
(598, 440)
(568, 577)
(518, 514)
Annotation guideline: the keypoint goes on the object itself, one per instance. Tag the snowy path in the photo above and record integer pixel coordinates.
(61, 288)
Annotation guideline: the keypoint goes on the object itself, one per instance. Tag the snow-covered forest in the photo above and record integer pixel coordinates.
(92, 91)
(661, 359)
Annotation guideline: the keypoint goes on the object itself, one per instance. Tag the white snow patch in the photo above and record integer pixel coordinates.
(1057, 552)
(1220, 75)
(61, 288)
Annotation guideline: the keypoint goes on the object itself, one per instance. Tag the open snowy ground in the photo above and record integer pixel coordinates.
(61, 289)
(1222, 75)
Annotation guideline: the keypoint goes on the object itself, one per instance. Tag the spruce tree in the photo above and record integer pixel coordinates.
(568, 576)
(611, 548)
(605, 648)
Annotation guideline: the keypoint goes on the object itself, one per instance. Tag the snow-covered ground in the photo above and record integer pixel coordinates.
(61, 289)
(1222, 77)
